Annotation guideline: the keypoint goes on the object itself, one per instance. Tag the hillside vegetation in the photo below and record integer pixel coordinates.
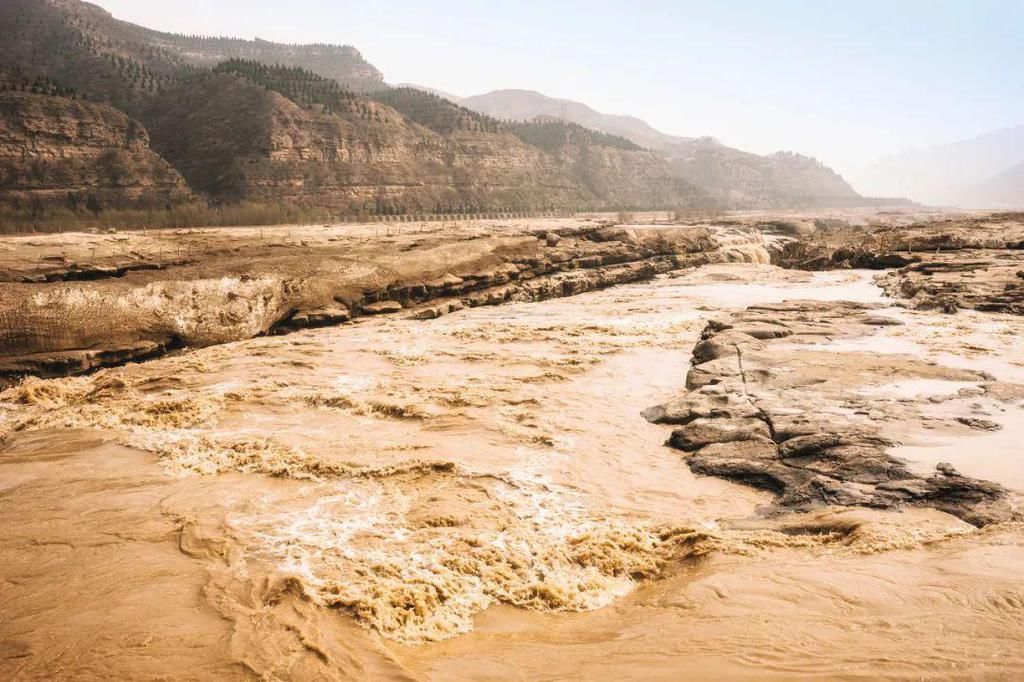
(552, 135)
(303, 87)
(435, 112)
(252, 122)
(736, 179)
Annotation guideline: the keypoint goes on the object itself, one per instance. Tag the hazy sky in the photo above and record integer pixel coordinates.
(846, 80)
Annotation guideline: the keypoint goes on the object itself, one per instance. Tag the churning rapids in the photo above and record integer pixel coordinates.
(479, 497)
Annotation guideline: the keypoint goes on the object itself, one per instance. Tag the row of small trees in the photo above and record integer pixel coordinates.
(38, 86)
(553, 135)
(299, 85)
(437, 113)
(386, 208)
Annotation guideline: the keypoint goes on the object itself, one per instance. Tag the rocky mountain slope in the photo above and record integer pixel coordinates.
(744, 180)
(323, 129)
(246, 130)
(82, 45)
(60, 152)
(524, 105)
(737, 179)
(970, 173)
(236, 137)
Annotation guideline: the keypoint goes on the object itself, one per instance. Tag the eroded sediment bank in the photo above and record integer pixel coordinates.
(58, 328)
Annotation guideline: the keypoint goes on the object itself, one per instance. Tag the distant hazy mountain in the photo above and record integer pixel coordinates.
(738, 179)
(526, 104)
(971, 173)
(1005, 190)
(743, 180)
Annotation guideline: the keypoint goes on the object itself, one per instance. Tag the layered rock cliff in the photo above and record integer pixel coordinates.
(237, 285)
(56, 151)
(236, 140)
(737, 179)
(256, 127)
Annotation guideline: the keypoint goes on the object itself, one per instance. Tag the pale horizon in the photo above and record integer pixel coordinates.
(847, 85)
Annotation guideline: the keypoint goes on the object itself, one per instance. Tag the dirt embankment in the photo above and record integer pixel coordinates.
(133, 305)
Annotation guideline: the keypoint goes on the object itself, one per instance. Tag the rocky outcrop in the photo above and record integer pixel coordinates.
(966, 262)
(981, 280)
(768, 409)
(56, 151)
(72, 362)
(249, 290)
(810, 254)
(962, 263)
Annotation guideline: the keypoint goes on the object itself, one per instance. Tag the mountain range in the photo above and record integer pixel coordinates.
(736, 179)
(100, 113)
(985, 171)
(523, 105)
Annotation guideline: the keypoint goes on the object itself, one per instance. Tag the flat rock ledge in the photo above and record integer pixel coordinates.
(753, 415)
(52, 328)
(987, 281)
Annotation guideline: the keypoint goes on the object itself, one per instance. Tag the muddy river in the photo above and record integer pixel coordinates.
(479, 497)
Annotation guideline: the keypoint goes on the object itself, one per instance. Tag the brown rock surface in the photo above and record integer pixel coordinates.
(233, 286)
(787, 414)
(984, 280)
(59, 152)
(967, 261)
(236, 140)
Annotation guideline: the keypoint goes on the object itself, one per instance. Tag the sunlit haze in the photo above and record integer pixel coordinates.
(847, 82)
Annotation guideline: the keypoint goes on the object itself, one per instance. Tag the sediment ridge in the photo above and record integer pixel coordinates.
(53, 328)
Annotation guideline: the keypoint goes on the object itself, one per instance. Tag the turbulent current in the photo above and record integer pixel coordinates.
(479, 497)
